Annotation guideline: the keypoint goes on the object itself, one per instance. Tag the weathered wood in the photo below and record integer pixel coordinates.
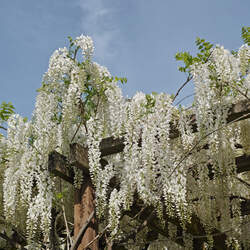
(81, 232)
(58, 166)
(84, 198)
(112, 146)
(79, 157)
(245, 207)
(243, 163)
(84, 205)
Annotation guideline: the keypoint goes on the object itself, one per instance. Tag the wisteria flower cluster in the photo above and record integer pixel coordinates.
(81, 102)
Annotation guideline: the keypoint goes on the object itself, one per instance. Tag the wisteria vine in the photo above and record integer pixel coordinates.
(80, 101)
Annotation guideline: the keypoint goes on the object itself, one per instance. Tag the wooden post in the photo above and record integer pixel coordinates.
(84, 205)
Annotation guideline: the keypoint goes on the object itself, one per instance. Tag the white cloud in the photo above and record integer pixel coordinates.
(97, 21)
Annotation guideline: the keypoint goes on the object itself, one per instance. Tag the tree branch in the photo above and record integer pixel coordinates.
(242, 181)
(66, 225)
(184, 98)
(1, 127)
(9, 240)
(189, 78)
(96, 238)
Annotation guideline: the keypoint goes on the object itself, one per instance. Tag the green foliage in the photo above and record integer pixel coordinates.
(204, 48)
(150, 103)
(72, 48)
(202, 56)
(123, 80)
(245, 35)
(59, 196)
(187, 58)
(6, 110)
(204, 52)
(93, 89)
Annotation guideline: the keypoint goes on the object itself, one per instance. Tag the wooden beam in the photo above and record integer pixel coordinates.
(58, 166)
(245, 207)
(79, 157)
(243, 163)
(81, 232)
(112, 146)
(84, 204)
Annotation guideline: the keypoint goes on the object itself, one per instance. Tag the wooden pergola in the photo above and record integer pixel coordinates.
(85, 222)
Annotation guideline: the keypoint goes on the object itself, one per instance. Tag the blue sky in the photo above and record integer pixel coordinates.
(136, 39)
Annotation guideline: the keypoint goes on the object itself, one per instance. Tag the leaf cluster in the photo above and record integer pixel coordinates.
(72, 48)
(6, 110)
(245, 35)
(204, 48)
(123, 80)
(94, 88)
(150, 103)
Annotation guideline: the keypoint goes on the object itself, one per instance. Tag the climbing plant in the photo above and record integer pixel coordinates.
(80, 102)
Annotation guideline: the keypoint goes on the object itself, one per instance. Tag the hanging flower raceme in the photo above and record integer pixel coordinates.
(86, 44)
(81, 102)
(59, 65)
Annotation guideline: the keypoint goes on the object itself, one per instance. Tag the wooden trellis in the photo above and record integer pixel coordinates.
(85, 222)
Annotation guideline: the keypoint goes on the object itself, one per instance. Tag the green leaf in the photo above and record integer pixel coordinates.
(188, 60)
(182, 69)
(70, 38)
(245, 35)
(6, 110)
(59, 196)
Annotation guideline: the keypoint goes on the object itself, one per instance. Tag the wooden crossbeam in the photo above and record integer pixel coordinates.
(79, 157)
(112, 146)
(242, 163)
(59, 167)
